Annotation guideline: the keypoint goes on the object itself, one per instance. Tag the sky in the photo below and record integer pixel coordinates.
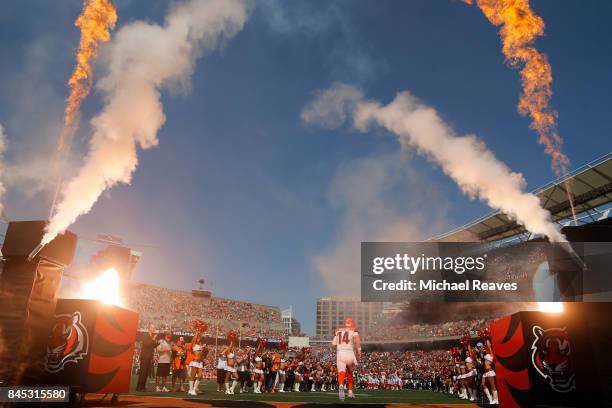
(241, 192)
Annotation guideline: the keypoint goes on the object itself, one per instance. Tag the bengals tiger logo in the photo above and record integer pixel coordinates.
(551, 357)
(68, 343)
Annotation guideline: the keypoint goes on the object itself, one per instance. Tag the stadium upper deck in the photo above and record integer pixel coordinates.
(591, 187)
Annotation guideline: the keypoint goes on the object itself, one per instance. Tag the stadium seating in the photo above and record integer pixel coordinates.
(175, 311)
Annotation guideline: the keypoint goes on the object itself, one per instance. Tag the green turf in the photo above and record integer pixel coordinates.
(208, 391)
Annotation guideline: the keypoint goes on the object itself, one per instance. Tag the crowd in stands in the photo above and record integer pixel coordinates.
(416, 369)
(387, 330)
(175, 311)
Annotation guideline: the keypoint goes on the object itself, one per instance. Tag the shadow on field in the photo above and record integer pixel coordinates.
(262, 404)
(344, 404)
(232, 404)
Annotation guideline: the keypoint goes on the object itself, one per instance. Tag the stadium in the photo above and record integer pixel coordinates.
(409, 355)
(406, 352)
(259, 203)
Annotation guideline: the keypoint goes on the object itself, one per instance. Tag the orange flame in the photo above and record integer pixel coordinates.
(95, 22)
(520, 26)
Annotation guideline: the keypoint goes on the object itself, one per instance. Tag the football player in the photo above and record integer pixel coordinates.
(348, 348)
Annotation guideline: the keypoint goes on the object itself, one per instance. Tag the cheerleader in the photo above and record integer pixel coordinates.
(282, 375)
(459, 373)
(198, 353)
(231, 373)
(469, 377)
(488, 380)
(298, 372)
(258, 375)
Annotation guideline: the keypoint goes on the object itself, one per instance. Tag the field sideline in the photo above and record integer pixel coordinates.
(210, 397)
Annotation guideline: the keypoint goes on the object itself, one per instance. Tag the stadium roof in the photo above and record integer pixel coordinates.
(591, 187)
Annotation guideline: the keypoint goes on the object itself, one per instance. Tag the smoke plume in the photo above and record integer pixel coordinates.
(520, 26)
(373, 196)
(465, 159)
(95, 22)
(142, 59)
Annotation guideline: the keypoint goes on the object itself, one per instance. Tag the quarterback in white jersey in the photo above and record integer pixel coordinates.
(348, 347)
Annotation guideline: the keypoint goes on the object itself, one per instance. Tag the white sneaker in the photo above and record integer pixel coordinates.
(341, 393)
(165, 389)
(157, 389)
(350, 394)
(192, 392)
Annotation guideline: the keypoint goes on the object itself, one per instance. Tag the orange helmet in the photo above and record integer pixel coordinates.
(349, 322)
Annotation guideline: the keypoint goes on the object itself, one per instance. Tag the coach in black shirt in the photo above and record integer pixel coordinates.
(146, 358)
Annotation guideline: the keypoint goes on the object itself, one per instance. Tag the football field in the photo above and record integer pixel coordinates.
(208, 396)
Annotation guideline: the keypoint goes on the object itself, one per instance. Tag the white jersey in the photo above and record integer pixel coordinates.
(344, 340)
(221, 363)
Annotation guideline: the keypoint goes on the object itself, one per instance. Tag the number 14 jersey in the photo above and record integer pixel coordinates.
(344, 340)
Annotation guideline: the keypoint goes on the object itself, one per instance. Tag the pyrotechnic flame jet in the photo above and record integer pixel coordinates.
(95, 22)
(520, 26)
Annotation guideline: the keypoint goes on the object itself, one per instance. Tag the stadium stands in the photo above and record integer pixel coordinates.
(417, 369)
(398, 331)
(176, 310)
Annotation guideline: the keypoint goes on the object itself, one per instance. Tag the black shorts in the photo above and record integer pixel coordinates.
(220, 376)
(163, 369)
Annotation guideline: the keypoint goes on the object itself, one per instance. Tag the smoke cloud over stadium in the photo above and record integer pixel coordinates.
(363, 191)
(465, 159)
(142, 59)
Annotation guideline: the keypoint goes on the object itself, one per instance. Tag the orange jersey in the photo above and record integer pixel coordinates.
(276, 361)
(180, 357)
(190, 355)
